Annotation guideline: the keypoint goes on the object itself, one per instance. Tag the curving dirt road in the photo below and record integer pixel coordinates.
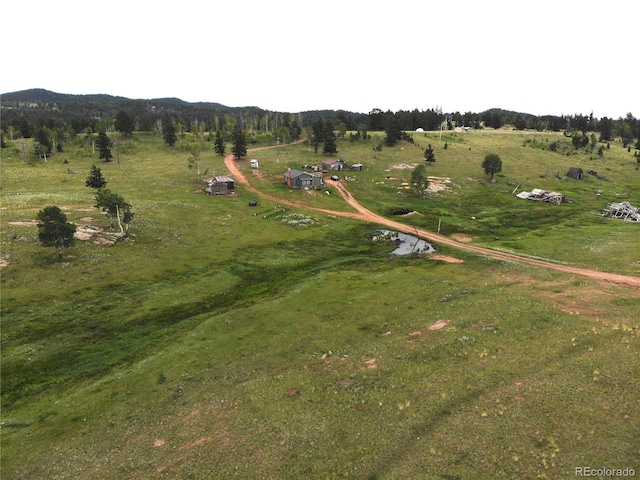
(367, 216)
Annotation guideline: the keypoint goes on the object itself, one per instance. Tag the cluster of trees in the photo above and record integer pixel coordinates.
(324, 133)
(116, 208)
(53, 118)
(54, 230)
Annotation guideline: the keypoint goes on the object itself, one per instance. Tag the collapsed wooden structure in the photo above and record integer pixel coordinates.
(542, 196)
(623, 210)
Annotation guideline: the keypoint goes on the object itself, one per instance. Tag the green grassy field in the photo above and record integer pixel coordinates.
(220, 341)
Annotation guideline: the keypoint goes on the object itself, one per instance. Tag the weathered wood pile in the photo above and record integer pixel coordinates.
(623, 210)
(539, 195)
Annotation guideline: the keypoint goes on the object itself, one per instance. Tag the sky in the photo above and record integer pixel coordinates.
(543, 57)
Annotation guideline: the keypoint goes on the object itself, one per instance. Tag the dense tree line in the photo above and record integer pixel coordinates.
(53, 118)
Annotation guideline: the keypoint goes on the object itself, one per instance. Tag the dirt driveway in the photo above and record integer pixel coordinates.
(367, 216)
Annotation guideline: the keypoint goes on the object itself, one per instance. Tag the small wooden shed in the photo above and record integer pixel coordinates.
(575, 172)
(220, 185)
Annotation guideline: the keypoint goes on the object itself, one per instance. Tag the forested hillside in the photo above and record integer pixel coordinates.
(49, 116)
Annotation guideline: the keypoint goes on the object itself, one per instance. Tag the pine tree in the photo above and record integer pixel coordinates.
(169, 132)
(429, 155)
(218, 145)
(318, 132)
(239, 142)
(54, 230)
(329, 138)
(104, 146)
(124, 123)
(95, 178)
(393, 131)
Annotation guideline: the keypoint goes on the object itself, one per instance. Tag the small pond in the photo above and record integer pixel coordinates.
(405, 244)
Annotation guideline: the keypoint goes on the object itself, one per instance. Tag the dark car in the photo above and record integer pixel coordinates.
(253, 203)
(335, 177)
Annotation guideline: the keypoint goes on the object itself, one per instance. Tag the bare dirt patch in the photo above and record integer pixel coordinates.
(4, 260)
(439, 325)
(462, 238)
(371, 363)
(195, 443)
(438, 184)
(402, 166)
(591, 303)
(446, 258)
(83, 232)
(29, 223)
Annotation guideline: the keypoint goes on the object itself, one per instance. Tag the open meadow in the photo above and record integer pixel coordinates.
(222, 340)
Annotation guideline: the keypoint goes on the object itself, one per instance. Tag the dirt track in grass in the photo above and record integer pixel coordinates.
(361, 213)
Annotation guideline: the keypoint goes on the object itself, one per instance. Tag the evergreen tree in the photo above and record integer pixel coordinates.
(329, 139)
(318, 132)
(95, 178)
(104, 146)
(169, 132)
(392, 130)
(124, 123)
(218, 145)
(294, 130)
(24, 127)
(606, 129)
(239, 142)
(429, 155)
(54, 230)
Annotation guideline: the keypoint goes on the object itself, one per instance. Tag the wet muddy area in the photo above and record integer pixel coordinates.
(405, 244)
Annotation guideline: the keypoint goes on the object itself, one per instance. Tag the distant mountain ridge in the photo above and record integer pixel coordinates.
(42, 95)
(38, 107)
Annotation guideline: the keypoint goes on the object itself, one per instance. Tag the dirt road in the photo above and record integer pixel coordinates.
(367, 216)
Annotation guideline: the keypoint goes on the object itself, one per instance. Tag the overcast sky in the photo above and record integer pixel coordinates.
(541, 57)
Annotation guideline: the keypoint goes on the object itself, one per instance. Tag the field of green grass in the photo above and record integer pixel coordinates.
(221, 341)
